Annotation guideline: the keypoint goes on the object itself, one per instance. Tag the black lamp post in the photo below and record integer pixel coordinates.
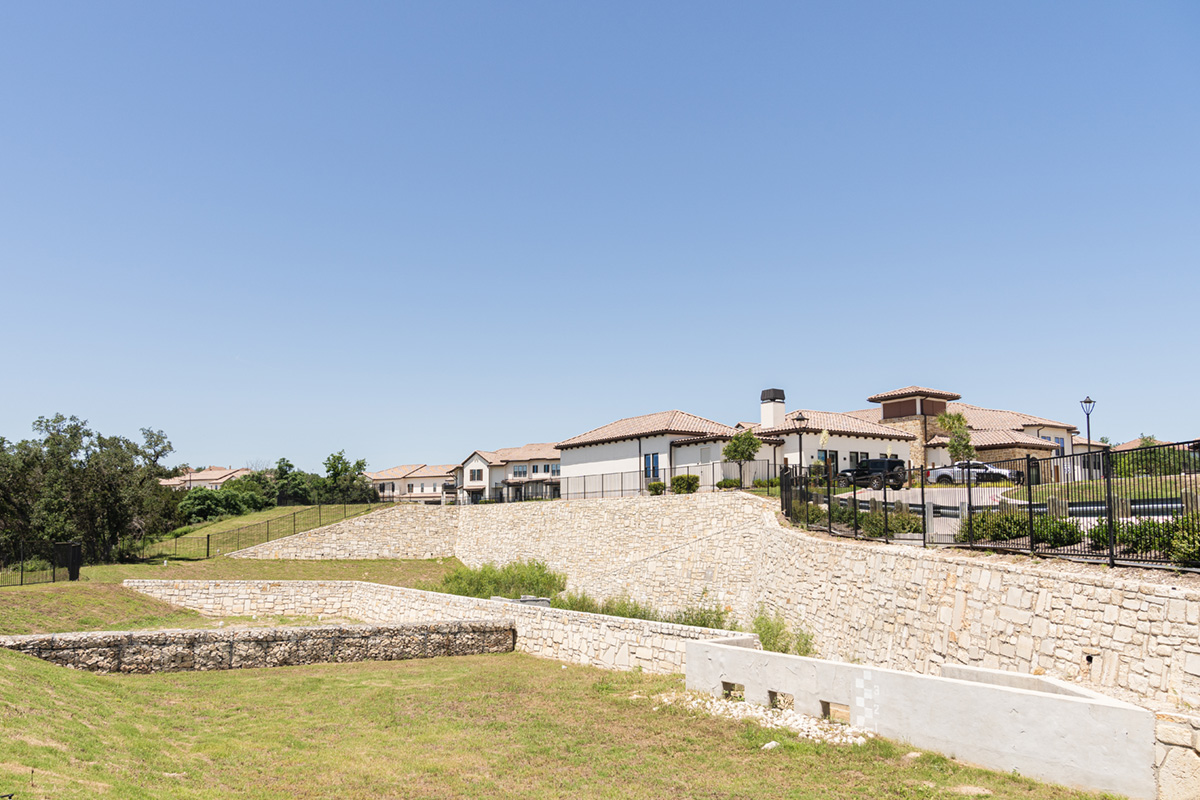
(1087, 404)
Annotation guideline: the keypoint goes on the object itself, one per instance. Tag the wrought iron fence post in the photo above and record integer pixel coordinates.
(1108, 500)
(925, 515)
(21, 553)
(854, 496)
(1029, 500)
(885, 513)
(970, 509)
(208, 545)
(828, 497)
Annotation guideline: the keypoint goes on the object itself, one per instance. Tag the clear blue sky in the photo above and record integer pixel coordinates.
(413, 230)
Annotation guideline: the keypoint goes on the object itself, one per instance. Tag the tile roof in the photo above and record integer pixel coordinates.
(541, 451)
(836, 423)
(392, 473)
(981, 419)
(716, 437)
(1133, 444)
(206, 475)
(538, 451)
(913, 391)
(432, 471)
(663, 422)
(1082, 442)
(999, 438)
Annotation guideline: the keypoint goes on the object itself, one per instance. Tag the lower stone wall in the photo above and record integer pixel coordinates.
(185, 650)
(572, 636)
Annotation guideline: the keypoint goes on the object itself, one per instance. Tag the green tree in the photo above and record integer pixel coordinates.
(345, 482)
(73, 484)
(955, 425)
(741, 448)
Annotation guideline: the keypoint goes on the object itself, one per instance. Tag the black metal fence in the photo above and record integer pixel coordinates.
(43, 563)
(1134, 508)
(759, 475)
(201, 546)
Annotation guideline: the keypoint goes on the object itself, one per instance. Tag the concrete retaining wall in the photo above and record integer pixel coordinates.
(572, 636)
(1042, 728)
(184, 650)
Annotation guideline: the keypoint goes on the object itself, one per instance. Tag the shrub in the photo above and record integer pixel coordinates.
(730, 483)
(695, 616)
(1145, 535)
(1185, 546)
(656, 488)
(872, 523)
(775, 636)
(511, 580)
(201, 505)
(685, 484)
(992, 526)
(1056, 532)
(700, 617)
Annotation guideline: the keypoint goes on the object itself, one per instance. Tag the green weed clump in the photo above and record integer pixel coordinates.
(774, 635)
(695, 616)
(512, 580)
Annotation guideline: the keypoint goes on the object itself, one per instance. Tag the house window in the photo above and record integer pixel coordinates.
(652, 466)
(855, 457)
(1062, 445)
(554, 469)
(535, 466)
(422, 487)
(410, 491)
(476, 475)
(821, 455)
(520, 470)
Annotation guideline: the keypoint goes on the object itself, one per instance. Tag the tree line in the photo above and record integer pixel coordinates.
(72, 484)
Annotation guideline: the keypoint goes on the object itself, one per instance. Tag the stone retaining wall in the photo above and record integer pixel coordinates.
(405, 530)
(891, 605)
(185, 650)
(572, 636)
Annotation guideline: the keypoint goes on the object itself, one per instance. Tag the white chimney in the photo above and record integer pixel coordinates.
(773, 411)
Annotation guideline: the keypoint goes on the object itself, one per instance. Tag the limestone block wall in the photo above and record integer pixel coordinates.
(184, 650)
(914, 609)
(573, 636)
(889, 605)
(402, 531)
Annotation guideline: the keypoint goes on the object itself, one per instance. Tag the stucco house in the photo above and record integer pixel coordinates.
(509, 474)
(207, 478)
(622, 457)
(412, 483)
(996, 434)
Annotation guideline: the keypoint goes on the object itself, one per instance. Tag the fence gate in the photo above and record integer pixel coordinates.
(68, 556)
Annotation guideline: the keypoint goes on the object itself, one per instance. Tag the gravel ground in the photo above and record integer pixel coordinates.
(804, 726)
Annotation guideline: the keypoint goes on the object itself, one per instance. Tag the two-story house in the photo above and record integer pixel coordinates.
(529, 472)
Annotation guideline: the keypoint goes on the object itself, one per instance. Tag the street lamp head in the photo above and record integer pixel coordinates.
(1087, 404)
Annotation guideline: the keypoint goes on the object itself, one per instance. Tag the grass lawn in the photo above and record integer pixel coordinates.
(389, 571)
(97, 602)
(487, 726)
(1139, 488)
(329, 514)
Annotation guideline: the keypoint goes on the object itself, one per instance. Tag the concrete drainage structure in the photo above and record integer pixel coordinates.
(1040, 727)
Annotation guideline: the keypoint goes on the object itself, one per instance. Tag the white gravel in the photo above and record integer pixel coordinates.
(804, 726)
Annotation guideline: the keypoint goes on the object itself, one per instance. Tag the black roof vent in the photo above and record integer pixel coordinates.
(771, 395)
